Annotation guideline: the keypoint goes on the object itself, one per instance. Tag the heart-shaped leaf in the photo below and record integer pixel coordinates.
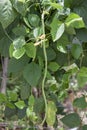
(71, 120)
(32, 73)
(30, 50)
(76, 50)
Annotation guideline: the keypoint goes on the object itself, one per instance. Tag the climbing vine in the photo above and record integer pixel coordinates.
(43, 62)
(45, 71)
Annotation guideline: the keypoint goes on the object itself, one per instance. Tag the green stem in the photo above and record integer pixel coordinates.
(45, 69)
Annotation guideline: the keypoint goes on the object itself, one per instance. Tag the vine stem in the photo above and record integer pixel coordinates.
(45, 68)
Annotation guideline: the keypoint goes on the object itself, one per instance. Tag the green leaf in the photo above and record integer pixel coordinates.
(4, 46)
(56, 5)
(19, 42)
(53, 66)
(75, 21)
(61, 48)
(20, 6)
(70, 30)
(57, 29)
(33, 19)
(81, 81)
(32, 73)
(73, 3)
(30, 50)
(40, 61)
(67, 3)
(81, 10)
(80, 103)
(82, 34)
(61, 58)
(51, 113)
(39, 105)
(10, 105)
(62, 43)
(31, 115)
(37, 32)
(82, 76)
(21, 113)
(82, 72)
(19, 53)
(12, 96)
(51, 54)
(15, 65)
(28, 112)
(9, 112)
(71, 120)
(76, 50)
(20, 104)
(3, 98)
(31, 101)
(71, 67)
(26, 22)
(24, 92)
(7, 14)
(20, 30)
(23, 1)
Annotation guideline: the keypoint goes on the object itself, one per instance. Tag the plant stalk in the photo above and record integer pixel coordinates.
(45, 69)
